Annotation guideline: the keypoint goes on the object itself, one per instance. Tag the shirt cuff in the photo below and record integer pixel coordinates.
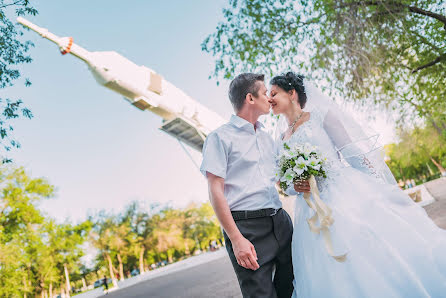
(216, 172)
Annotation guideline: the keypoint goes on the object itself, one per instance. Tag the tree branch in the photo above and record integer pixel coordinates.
(413, 9)
(431, 14)
(437, 60)
(18, 2)
(437, 128)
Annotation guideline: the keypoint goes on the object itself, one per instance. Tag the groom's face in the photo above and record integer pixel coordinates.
(261, 101)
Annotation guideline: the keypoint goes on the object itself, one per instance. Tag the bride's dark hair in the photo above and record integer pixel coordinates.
(290, 81)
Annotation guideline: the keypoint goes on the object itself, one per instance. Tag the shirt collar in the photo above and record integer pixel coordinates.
(244, 124)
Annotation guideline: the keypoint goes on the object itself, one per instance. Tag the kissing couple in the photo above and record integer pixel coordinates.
(393, 248)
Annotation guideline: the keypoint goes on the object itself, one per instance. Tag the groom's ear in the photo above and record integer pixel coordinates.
(249, 98)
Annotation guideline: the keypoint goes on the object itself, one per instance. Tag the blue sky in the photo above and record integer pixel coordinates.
(97, 149)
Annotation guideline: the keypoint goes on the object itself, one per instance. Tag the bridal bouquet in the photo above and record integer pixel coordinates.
(305, 162)
(299, 162)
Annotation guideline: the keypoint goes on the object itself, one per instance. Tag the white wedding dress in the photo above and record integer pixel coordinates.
(393, 248)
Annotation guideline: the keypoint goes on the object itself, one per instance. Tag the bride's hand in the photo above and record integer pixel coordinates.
(302, 186)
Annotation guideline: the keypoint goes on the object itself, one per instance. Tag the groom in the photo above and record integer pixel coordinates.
(239, 162)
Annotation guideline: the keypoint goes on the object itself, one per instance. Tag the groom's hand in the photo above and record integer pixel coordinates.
(245, 253)
(302, 186)
(243, 249)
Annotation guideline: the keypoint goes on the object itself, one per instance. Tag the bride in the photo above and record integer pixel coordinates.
(393, 248)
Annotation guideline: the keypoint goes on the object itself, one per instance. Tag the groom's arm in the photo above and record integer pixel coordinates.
(243, 249)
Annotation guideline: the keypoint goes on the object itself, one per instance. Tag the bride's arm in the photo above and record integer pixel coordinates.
(344, 144)
(336, 130)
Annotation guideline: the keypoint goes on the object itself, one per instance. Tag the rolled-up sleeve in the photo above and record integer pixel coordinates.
(215, 156)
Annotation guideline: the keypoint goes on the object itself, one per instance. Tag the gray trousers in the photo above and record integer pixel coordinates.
(271, 237)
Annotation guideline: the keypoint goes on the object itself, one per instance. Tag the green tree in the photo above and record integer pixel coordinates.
(122, 242)
(13, 52)
(141, 225)
(36, 254)
(20, 222)
(168, 232)
(65, 244)
(388, 53)
(419, 152)
(201, 223)
(102, 238)
(140, 234)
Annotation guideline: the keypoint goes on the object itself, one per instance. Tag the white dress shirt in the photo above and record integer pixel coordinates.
(245, 158)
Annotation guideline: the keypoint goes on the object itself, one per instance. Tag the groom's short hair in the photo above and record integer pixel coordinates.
(241, 85)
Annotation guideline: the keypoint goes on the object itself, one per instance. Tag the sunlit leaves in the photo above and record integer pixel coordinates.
(376, 53)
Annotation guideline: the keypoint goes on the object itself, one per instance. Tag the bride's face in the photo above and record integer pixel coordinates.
(280, 100)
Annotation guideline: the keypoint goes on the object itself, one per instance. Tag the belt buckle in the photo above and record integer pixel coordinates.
(275, 212)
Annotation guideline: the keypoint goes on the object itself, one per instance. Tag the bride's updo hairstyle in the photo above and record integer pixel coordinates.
(290, 81)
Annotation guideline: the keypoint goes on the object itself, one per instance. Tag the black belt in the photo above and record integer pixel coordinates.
(239, 215)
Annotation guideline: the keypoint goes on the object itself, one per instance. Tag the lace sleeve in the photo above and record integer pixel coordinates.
(352, 143)
(347, 150)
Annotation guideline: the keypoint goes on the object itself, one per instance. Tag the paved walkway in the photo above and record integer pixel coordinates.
(437, 211)
(213, 279)
(437, 188)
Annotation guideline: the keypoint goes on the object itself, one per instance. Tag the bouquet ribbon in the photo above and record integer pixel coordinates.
(322, 213)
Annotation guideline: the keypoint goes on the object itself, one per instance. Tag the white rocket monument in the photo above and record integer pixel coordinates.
(183, 117)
